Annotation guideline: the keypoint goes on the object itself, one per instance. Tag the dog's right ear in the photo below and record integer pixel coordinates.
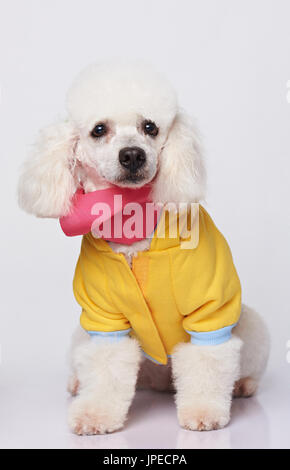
(47, 183)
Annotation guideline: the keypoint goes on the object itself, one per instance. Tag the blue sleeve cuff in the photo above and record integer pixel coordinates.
(207, 338)
(110, 336)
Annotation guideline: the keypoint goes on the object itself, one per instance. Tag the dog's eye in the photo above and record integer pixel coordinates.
(99, 130)
(150, 128)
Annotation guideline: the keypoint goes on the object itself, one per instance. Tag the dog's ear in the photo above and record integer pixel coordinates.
(181, 176)
(47, 183)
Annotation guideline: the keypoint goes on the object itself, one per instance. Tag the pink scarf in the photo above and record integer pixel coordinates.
(120, 215)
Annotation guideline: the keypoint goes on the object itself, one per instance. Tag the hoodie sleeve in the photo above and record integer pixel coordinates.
(211, 299)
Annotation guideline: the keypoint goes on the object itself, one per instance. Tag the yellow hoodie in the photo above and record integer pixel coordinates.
(172, 294)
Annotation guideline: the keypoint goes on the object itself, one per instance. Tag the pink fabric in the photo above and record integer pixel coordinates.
(105, 213)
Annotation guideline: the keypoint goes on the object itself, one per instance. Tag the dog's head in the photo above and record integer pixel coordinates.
(123, 128)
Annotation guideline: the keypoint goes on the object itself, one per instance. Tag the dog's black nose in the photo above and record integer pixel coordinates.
(132, 158)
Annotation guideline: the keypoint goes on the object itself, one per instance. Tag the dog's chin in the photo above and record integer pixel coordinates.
(133, 180)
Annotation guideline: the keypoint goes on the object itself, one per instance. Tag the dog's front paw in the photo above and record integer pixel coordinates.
(87, 418)
(204, 418)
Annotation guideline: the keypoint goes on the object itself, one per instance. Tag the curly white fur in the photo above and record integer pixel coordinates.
(255, 352)
(47, 182)
(182, 175)
(204, 378)
(65, 156)
(106, 376)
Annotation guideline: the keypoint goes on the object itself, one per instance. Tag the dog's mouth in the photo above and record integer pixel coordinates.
(135, 179)
(132, 180)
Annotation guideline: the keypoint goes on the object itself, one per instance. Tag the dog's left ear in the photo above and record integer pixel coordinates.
(181, 176)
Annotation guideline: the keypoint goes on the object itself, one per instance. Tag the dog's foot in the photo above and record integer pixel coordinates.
(203, 418)
(73, 385)
(87, 418)
(245, 387)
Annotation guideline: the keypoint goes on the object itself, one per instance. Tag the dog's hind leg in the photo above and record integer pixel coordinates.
(252, 330)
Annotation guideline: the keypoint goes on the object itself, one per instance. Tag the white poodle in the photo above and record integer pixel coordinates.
(112, 107)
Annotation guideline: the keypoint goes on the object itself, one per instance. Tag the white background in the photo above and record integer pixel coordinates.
(230, 62)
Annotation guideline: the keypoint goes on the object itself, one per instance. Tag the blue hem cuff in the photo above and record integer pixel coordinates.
(111, 336)
(207, 338)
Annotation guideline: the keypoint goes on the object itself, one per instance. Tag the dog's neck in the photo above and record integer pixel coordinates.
(128, 251)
